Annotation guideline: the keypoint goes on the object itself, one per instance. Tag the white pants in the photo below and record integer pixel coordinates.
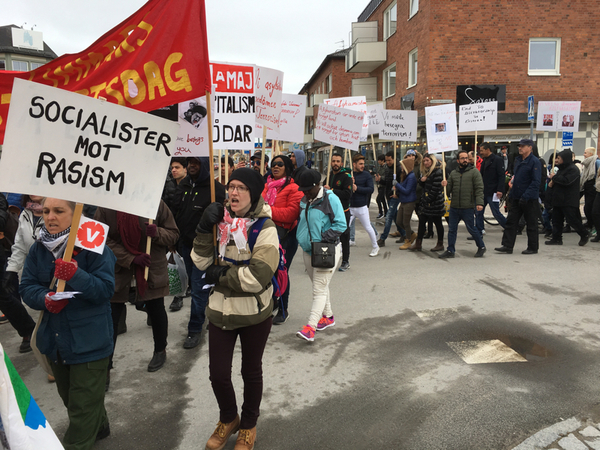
(320, 282)
(362, 214)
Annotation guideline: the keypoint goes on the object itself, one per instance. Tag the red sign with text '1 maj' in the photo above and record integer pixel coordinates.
(91, 235)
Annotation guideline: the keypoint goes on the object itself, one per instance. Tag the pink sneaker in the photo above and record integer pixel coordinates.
(307, 333)
(325, 322)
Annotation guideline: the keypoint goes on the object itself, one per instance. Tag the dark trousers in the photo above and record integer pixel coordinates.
(381, 204)
(531, 211)
(290, 245)
(160, 323)
(596, 212)
(199, 295)
(345, 239)
(495, 207)
(220, 352)
(588, 205)
(12, 307)
(573, 218)
(424, 221)
(81, 387)
(468, 217)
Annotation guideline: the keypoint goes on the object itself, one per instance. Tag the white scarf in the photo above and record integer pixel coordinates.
(54, 243)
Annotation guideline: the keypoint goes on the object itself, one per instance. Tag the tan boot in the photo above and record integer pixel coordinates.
(416, 247)
(439, 247)
(413, 237)
(246, 439)
(222, 433)
(406, 245)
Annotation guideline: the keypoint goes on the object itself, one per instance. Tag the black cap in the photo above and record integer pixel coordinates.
(308, 179)
(258, 155)
(526, 142)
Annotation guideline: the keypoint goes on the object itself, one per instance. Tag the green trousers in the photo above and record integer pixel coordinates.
(81, 387)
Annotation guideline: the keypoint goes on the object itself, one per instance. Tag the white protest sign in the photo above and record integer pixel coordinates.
(478, 116)
(291, 123)
(375, 116)
(192, 139)
(91, 235)
(554, 116)
(355, 104)
(442, 135)
(234, 106)
(268, 89)
(399, 125)
(77, 148)
(337, 126)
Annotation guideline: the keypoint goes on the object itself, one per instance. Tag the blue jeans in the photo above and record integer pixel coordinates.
(353, 232)
(390, 217)
(199, 295)
(495, 207)
(467, 216)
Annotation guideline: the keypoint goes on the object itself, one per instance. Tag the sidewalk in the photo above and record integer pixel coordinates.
(570, 434)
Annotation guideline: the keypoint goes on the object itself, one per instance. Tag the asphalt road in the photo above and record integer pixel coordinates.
(388, 374)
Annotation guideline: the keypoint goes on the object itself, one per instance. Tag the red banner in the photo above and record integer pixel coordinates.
(155, 58)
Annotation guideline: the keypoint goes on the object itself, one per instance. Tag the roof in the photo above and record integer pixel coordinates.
(339, 54)
(6, 45)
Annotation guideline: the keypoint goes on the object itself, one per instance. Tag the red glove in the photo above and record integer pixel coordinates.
(151, 230)
(142, 260)
(65, 270)
(55, 306)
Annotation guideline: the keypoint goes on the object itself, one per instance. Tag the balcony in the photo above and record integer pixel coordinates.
(317, 99)
(310, 111)
(366, 53)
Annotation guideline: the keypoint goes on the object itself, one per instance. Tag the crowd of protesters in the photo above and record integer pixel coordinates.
(262, 215)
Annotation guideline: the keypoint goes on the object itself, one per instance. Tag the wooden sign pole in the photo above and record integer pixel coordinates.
(210, 158)
(262, 156)
(329, 164)
(226, 167)
(374, 152)
(395, 164)
(71, 242)
(148, 248)
(555, 145)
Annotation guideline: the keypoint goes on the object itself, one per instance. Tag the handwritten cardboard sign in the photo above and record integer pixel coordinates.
(355, 104)
(268, 89)
(478, 116)
(77, 148)
(399, 125)
(442, 135)
(338, 126)
(375, 116)
(291, 123)
(555, 116)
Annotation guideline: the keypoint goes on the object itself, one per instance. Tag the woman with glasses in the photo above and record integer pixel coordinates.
(282, 195)
(240, 303)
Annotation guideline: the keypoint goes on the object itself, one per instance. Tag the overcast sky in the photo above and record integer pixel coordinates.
(293, 36)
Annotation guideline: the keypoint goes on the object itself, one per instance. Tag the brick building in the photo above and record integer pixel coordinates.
(421, 53)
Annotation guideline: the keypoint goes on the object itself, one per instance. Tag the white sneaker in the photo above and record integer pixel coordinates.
(375, 251)
(352, 243)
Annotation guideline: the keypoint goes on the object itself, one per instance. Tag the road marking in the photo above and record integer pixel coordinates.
(484, 352)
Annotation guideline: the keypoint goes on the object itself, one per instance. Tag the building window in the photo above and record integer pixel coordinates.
(20, 65)
(414, 8)
(412, 67)
(390, 16)
(328, 86)
(544, 56)
(2, 64)
(389, 81)
(35, 65)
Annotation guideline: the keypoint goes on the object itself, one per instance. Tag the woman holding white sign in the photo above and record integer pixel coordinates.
(75, 333)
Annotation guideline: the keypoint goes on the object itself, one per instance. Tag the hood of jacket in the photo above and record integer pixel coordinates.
(567, 158)
(300, 157)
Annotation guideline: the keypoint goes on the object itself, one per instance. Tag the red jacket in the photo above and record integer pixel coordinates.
(286, 209)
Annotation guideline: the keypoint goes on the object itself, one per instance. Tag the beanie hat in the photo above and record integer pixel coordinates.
(252, 180)
(288, 164)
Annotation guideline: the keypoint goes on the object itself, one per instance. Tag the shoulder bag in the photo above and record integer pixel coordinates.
(322, 253)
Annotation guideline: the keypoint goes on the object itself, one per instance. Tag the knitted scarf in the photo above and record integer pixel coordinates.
(233, 228)
(131, 236)
(54, 243)
(273, 188)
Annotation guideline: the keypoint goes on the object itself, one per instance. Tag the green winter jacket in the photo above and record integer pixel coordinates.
(466, 188)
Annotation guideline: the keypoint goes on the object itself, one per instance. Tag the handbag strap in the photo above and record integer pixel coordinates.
(307, 224)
